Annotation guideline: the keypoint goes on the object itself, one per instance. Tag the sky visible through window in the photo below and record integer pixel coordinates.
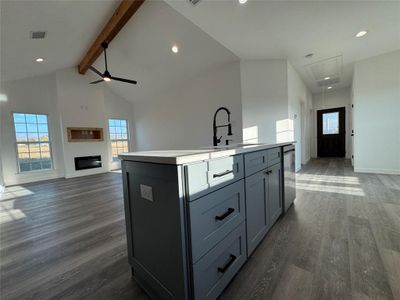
(119, 137)
(330, 123)
(33, 142)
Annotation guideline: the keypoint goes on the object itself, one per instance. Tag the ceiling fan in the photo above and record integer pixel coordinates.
(106, 76)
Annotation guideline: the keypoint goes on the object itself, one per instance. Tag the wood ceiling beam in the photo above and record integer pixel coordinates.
(121, 16)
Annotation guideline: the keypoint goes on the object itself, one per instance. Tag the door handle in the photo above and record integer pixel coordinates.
(224, 215)
(223, 174)
(228, 264)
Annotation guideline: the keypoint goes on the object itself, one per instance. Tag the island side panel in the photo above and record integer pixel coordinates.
(156, 231)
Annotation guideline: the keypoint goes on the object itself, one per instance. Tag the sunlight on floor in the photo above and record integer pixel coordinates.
(355, 191)
(329, 178)
(11, 215)
(14, 192)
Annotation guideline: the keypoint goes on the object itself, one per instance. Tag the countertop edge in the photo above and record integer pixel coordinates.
(197, 157)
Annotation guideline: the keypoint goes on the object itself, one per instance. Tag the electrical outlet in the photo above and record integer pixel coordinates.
(146, 192)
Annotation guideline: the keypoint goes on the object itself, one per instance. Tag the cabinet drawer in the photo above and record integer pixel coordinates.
(213, 216)
(274, 156)
(216, 269)
(255, 161)
(205, 177)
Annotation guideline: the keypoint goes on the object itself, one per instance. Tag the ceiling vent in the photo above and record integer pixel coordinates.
(330, 68)
(194, 2)
(38, 35)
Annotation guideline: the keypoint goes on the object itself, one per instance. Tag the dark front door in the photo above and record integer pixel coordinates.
(331, 133)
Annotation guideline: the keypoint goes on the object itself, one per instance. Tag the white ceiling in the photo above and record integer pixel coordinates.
(291, 29)
(142, 51)
(71, 27)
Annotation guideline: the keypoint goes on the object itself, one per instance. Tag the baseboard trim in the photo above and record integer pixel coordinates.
(377, 171)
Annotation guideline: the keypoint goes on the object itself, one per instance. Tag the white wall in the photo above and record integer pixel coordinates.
(274, 101)
(376, 98)
(327, 100)
(300, 104)
(264, 99)
(182, 117)
(32, 95)
(2, 99)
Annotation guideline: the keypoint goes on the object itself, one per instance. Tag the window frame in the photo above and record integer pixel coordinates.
(16, 143)
(128, 138)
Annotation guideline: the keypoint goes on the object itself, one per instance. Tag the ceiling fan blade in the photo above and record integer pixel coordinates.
(97, 81)
(124, 80)
(96, 71)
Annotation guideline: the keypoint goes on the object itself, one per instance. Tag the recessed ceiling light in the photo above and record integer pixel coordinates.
(39, 59)
(329, 87)
(243, 1)
(327, 78)
(361, 33)
(175, 49)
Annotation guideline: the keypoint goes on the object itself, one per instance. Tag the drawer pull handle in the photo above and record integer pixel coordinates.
(228, 264)
(224, 215)
(268, 172)
(223, 173)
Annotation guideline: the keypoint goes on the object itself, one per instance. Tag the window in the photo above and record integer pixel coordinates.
(33, 142)
(119, 137)
(330, 123)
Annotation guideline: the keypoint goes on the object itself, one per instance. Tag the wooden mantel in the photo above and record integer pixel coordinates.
(121, 16)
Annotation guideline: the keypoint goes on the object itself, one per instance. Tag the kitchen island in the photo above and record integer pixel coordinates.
(193, 217)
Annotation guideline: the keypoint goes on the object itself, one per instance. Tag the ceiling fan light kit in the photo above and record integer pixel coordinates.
(106, 76)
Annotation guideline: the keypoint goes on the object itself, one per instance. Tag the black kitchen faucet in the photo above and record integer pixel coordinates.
(217, 140)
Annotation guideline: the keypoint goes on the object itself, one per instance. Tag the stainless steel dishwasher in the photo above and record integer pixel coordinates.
(289, 176)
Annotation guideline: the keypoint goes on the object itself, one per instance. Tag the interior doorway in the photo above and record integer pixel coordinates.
(331, 132)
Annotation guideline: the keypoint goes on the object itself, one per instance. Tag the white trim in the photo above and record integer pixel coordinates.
(307, 161)
(377, 171)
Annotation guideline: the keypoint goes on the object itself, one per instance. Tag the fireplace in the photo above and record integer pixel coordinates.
(87, 162)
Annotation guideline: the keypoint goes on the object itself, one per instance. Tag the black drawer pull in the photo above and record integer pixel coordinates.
(223, 173)
(224, 215)
(268, 172)
(228, 264)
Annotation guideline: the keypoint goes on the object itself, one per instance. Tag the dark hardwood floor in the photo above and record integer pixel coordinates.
(65, 239)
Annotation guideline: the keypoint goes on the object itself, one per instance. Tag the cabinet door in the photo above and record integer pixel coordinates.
(274, 193)
(256, 209)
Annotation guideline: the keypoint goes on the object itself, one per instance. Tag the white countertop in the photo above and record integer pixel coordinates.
(180, 157)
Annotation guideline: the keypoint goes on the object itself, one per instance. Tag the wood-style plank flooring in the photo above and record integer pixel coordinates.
(65, 239)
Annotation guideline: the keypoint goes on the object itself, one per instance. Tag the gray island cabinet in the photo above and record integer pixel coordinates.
(194, 218)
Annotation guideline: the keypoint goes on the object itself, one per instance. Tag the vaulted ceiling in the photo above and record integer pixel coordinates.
(208, 34)
(71, 27)
(141, 51)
